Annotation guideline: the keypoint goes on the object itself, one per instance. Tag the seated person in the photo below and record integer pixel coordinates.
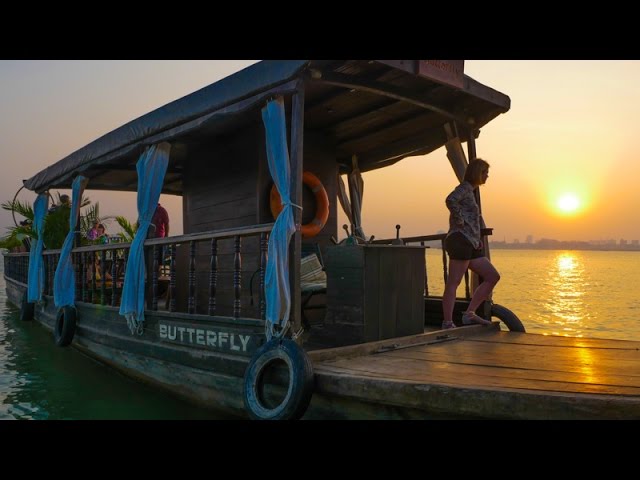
(102, 236)
(65, 202)
(93, 233)
(101, 239)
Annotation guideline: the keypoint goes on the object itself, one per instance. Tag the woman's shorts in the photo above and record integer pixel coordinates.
(459, 247)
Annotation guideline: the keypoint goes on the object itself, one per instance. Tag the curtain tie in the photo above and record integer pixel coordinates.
(284, 204)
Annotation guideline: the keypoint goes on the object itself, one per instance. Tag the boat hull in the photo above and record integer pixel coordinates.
(469, 372)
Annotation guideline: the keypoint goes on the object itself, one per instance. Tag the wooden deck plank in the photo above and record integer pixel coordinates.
(550, 340)
(506, 360)
(602, 376)
(413, 371)
(477, 402)
(618, 375)
(541, 357)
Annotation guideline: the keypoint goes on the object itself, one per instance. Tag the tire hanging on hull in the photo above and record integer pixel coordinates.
(509, 318)
(65, 326)
(26, 309)
(298, 391)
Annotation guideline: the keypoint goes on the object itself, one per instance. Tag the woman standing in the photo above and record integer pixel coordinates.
(463, 243)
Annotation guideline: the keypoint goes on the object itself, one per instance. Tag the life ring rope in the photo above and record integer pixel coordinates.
(314, 227)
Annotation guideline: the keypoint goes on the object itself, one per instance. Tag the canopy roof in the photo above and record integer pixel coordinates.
(382, 111)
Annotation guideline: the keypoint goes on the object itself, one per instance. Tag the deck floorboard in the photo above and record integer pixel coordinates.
(521, 364)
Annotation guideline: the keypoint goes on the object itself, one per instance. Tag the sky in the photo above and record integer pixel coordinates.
(563, 159)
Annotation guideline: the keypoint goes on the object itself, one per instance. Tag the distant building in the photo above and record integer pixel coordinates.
(635, 242)
(529, 239)
(516, 241)
(623, 241)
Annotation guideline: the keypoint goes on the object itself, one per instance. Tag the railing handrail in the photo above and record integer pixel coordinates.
(428, 238)
(16, 254)
(225, 233)
(190, 237)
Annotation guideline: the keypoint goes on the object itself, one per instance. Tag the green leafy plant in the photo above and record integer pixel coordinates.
(56, 223)
(128, 229)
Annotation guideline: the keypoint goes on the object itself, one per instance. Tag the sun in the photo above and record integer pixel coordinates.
(568, 203)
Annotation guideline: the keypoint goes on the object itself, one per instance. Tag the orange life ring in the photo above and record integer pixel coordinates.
(312, 228)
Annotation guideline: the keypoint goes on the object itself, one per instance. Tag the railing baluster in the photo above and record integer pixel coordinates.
(466, 284)
(263, 267)
(125, 259)
(444, 262)
(172, 278)
(191, 304)
(103, 275)
(213, 276)
(50, 260)
(77, 265)
(45, 265)
(237, 266)
(114, 277)
(426, 278)
(154, 279)
(93, 277)
(83, 273)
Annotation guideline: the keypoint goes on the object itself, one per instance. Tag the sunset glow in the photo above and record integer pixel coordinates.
(563, 158)
(568, 203)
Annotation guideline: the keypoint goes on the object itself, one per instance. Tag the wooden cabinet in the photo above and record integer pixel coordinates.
(374, 292)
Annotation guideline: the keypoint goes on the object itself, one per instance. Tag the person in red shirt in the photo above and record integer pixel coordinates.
(159, 228)
(160, 221)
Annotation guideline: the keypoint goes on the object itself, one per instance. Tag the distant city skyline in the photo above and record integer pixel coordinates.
(551, 243)
(533, 239)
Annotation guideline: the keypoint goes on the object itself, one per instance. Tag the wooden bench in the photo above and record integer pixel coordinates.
(313, 279)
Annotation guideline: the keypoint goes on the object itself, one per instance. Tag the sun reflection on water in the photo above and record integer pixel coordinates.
(565, 311)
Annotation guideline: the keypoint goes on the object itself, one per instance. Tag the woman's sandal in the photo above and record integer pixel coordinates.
(448, 325)
(469, 318)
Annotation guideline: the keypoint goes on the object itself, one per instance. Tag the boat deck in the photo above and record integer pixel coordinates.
(483, 372)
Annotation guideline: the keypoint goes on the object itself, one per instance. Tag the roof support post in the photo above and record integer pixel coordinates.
(296, 149)
(475, 280)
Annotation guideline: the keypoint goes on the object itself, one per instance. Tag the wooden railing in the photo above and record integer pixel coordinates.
(421, 239)
(100, 269)
(16, 266)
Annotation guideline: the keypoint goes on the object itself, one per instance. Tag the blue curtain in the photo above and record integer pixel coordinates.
(151, 167)
(64, 291)
(36, 270)
(278, 296)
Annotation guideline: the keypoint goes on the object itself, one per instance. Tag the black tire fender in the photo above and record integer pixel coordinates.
(26, 309)
(509, 318)
(65, 327)
(299, 389)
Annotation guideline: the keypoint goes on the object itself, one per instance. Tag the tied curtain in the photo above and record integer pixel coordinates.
(64, 291)
(353, 209)
(356, 192)
(151, 168)
(35, 284)
(278, 295)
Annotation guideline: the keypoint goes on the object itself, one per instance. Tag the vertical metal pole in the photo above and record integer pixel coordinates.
(297, 132)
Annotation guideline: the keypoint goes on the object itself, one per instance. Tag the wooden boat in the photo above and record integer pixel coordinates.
(365, 344)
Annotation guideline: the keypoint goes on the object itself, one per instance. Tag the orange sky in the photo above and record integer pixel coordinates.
(571, 129)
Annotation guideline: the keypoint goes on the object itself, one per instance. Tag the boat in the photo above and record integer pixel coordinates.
(257, 309)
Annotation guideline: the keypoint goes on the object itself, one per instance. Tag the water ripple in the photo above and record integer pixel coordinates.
(39, 381)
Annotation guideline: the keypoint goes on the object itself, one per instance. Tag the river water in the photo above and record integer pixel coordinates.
(576, 293)
(39, 380)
